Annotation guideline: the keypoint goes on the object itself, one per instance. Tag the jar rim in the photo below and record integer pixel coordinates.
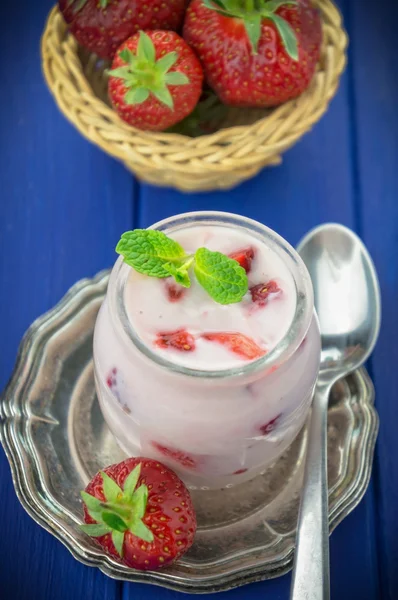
(286, 346)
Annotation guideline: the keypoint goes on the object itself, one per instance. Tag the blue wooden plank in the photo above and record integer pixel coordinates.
(63, 205)
(315, 184)
(375, 94)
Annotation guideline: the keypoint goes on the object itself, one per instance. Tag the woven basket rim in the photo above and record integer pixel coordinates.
(211, 139)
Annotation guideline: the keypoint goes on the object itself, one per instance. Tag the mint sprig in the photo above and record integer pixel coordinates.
(153, 253)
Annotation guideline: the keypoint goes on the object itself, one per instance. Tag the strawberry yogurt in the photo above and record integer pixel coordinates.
(217, 392)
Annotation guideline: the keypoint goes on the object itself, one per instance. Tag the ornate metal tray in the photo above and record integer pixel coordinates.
(55, 438)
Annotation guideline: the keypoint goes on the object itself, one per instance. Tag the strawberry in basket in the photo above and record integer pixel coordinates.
(102, 25)
(155, 81)
(255, 53)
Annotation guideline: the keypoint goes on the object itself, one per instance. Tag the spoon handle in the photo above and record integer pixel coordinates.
(310, 579)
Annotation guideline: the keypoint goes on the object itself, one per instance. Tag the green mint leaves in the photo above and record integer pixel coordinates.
(153, 253)
(220, 276)
(149, 251)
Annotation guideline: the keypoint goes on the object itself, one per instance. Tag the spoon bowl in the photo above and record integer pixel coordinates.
(347, 301)
(346, 296)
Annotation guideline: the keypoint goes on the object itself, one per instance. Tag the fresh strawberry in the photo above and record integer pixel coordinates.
(140, 512)
(238, 343)
(179, 339)
(270, 426)
(244, 258)
(183, 459)
(262, 292)
(174, 292)
(102, 25)
(258, 53)
(155, 81)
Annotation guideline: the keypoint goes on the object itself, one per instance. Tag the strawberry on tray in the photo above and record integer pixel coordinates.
(140, 512)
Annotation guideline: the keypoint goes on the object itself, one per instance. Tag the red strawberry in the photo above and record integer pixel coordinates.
(259, 55)
(260, 293)
(185, 460)
(244, 258)
(102, 25)
(140, 512)
(238, 343)
(270, 426)
(174, 292)
(155, 81)
(179, 339)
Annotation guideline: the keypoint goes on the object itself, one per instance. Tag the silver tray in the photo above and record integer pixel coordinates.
(55, 439)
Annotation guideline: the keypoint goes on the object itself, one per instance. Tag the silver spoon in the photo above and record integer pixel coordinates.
(347, 300)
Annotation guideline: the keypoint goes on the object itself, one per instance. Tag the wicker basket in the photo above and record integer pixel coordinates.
(247, 139)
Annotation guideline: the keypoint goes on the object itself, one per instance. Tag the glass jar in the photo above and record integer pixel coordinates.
(214, 428)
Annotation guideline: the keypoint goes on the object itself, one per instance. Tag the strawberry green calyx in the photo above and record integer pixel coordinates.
(144, 74)
(252, 12)
(122, 510)
(78, 4)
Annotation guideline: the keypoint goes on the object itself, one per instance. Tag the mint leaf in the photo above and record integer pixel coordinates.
(95, 530)
(222, 277)
(147, 251)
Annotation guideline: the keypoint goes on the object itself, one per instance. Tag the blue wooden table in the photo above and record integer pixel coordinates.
(63, 205)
